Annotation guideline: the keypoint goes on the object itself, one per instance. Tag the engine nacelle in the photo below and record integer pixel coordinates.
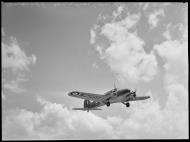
(134, 95)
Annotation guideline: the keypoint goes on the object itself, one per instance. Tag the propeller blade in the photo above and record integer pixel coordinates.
(115, 89)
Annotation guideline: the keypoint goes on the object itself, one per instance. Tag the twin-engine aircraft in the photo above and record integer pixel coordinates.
(93, 101)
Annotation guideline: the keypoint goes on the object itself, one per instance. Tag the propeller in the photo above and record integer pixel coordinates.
(134, 93)
(115, 89)
(115, 86)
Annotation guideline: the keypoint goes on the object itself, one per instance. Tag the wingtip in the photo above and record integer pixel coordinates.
(69, 93)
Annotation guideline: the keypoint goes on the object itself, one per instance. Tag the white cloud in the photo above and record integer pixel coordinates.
(166, 34)
(115, 30)
(145, 6)
(118, 12)
(16, 60)
(55, 121)
(153, 17)
(126, 55)
(175, 53)
(14, 57)
(95, 66)
(100, 51)
(92, 36)
(177, 94)
(13, 86)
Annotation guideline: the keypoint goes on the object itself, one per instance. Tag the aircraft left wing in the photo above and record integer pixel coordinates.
(88, 96)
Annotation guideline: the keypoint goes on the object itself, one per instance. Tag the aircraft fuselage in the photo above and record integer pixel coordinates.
(119, 96)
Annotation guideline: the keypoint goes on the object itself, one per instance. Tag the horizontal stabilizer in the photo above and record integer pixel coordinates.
(78, 108)
(95, 109)
(86, 109)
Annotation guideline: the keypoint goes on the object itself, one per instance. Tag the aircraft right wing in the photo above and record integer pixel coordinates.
(139, 98)
(88, 96)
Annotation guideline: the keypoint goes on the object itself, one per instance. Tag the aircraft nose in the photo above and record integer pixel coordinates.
(147, 97)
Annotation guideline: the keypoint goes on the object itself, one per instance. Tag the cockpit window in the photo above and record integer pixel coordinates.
(127, 90)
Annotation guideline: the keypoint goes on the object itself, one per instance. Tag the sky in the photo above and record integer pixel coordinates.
(50, 49)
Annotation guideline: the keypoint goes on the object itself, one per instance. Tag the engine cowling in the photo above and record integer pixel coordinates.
(114, 90)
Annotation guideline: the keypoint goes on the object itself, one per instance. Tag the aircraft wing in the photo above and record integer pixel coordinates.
(88, 96)
(139, 98)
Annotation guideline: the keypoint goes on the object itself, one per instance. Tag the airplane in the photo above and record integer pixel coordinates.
(93, 101)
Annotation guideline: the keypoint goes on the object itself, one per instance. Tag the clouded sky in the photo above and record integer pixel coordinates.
(49, 49)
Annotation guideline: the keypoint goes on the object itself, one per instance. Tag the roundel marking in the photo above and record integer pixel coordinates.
(75, 93)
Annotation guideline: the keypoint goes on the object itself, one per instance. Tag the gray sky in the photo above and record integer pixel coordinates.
(49, 49)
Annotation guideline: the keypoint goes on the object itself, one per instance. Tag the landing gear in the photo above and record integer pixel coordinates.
(127, 104)
(108, 104)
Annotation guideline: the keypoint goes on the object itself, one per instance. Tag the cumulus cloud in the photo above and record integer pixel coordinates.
(166, 34)
(153, 17)
(145, 6)
(13, 86)
(14, 57)
(15, 65)
(118, 12)
(100, 50)
(56, 121)
(175, 54)
(95, 66)
(92, 36)
(126, 55)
